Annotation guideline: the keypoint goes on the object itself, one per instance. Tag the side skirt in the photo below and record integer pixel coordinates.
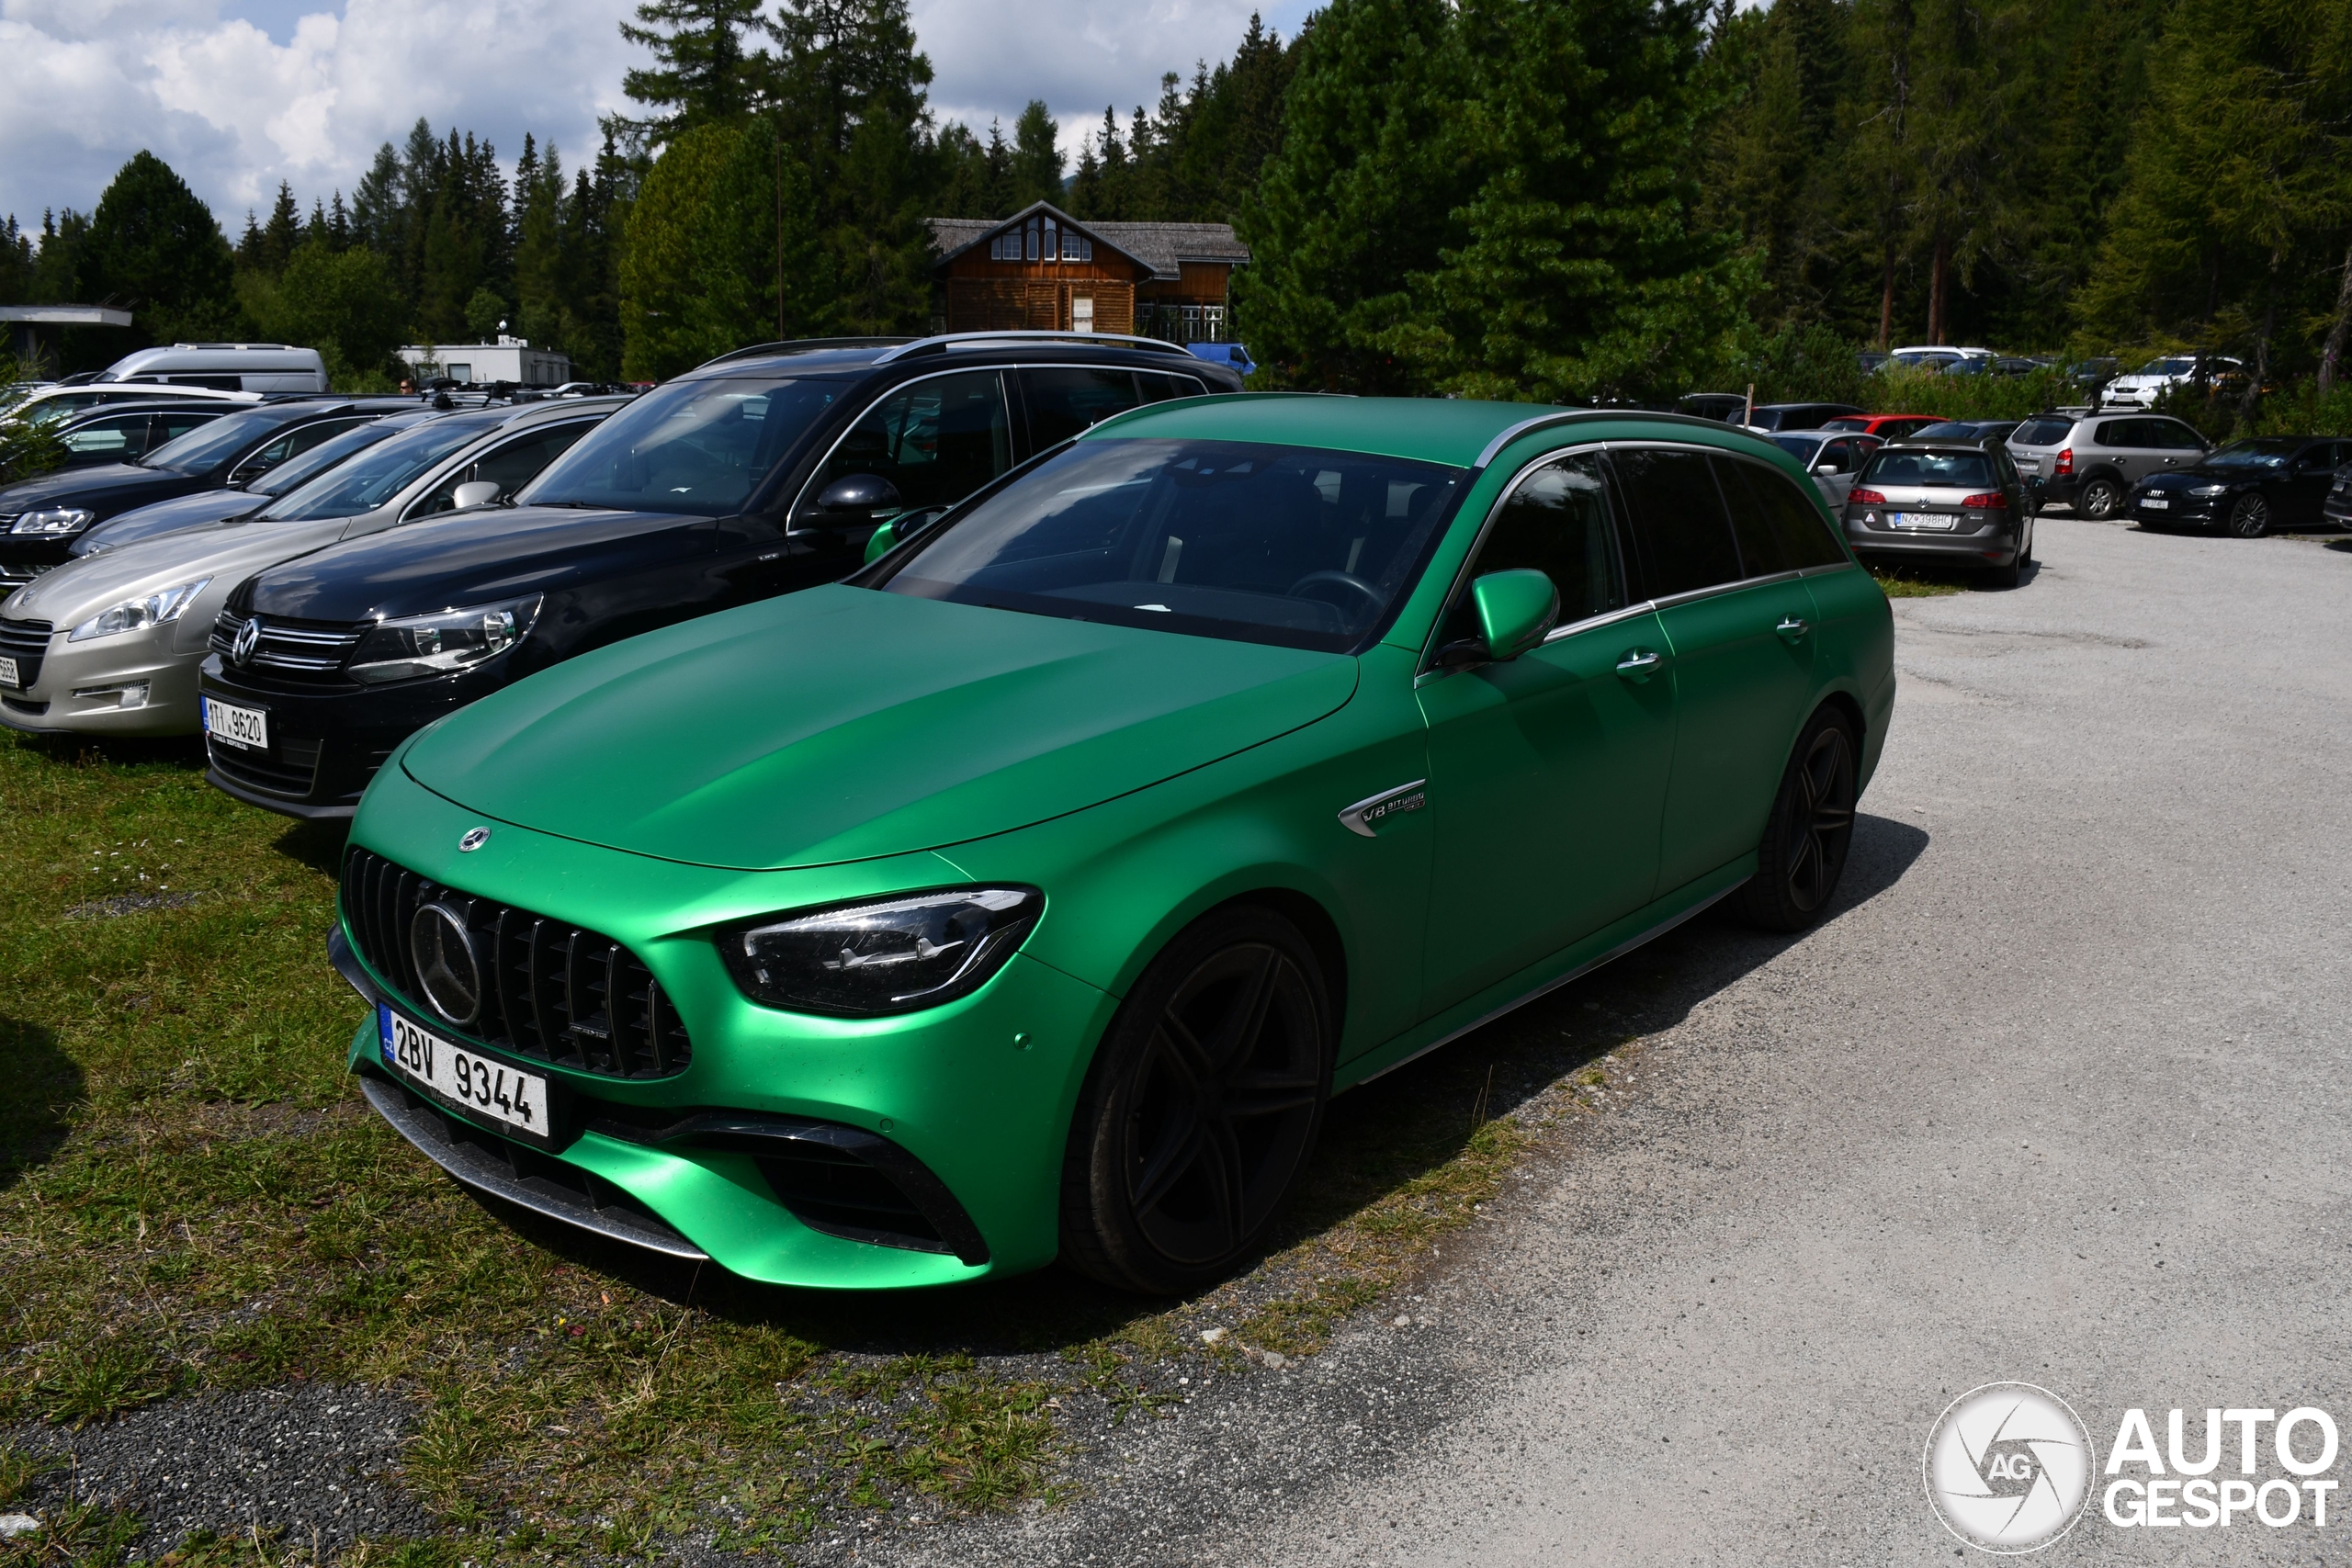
(1612, 941)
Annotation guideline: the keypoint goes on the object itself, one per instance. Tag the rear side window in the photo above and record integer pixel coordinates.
(1685, 540)
(1556, 522)
(936, 440)
(1778, 528)
(1066, 398)
(2171, 436)
(1159, 385)
(2127, 433)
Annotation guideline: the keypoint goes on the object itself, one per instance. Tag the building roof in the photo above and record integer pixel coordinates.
(66, 315)
(1160, 246)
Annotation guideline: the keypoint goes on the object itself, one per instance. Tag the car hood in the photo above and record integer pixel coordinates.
(467, 557)
(168, 517)
(109, 487)
(843, 724)
(2185, 479)
(227, 553)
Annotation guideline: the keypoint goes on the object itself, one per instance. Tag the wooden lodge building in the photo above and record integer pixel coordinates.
(1042, 269)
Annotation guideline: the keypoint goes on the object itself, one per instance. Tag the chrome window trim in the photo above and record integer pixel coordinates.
(1486, 526)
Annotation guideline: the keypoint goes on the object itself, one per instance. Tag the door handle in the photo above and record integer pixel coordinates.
(1638, 664)
(1791, 630)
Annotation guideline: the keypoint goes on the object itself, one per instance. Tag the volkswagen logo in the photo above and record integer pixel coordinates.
(471, 839)
(241, 651)
(444, 963)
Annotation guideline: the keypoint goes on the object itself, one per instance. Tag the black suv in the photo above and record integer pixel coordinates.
(763, 472)
(41, 517)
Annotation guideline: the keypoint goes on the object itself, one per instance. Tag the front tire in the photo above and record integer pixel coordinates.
(2100, 499)
(1809, 831)
(1201, 1108)
(2250, 518)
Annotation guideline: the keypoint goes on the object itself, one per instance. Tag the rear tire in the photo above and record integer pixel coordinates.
(2007, 576)
(2100, 499)
(1809, 830)
(1201, 1109)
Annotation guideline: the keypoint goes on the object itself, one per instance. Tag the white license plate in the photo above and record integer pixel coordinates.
(515, 1100)
(238, 727)
(2153, 503)
(8, 673)
(1919, 520)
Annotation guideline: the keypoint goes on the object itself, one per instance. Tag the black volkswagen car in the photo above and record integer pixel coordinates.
(41, 517)
(763, 472)
(2246, 489)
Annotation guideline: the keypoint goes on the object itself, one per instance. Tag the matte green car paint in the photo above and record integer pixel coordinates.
(1741, 693)
(666, 786)
(1555, 766)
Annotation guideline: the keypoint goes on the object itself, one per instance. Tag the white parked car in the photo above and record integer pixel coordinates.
(224, 367)
(2143, 387)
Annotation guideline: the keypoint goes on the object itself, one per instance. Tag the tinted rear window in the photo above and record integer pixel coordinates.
(1965, 470)
(1677, 516)
(2042, 432)
(1779, 527)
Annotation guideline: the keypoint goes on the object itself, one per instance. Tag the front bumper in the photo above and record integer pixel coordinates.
(2195, 510)
(973, 1098)
(326, 742)
(95, 687)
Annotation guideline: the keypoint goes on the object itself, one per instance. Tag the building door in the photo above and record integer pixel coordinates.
(1082, 313)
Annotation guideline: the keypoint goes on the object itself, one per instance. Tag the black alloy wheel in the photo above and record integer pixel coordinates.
(1202, 1107)
(2250, 517)
(1809, 831)
(2099, 499)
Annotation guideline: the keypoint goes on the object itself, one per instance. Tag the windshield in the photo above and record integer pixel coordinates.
(1948, 428)
(1801, 447)
(2272, 453)
(1286, 545)
(297, 471)
(1961, 470)
(377, 474)
(210, 446)
(2167, 368)
(694, 446)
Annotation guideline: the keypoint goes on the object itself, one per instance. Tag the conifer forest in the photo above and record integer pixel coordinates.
(1555, 200)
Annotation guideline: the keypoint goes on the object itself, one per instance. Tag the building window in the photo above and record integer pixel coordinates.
(1031, 241)
(1077, 247)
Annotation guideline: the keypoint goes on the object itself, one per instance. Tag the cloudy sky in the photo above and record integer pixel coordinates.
(237, 95)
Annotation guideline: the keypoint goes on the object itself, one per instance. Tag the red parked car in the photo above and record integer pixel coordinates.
(1885, 426)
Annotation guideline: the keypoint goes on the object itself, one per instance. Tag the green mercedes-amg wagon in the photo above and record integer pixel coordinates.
(1029, 894)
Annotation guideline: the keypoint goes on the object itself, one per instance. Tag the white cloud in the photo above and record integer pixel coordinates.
(237, 95)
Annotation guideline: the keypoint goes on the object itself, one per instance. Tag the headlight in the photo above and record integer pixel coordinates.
(2210, 490)
(55, 521)
(157, 608)
(895, 956)
(438, 644)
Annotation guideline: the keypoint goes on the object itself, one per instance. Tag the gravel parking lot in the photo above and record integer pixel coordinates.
(2057, 1095)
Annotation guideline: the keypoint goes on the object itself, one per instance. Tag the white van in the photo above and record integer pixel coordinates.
(224, 367)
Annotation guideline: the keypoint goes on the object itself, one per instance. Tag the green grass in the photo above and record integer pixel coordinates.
(193, 1195)
(1924, 582)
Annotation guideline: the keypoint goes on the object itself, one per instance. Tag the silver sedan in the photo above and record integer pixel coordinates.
(111, 644)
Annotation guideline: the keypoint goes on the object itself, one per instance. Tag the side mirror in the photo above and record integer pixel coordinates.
(1829, 468)
(865, 493)
(476, 492)
(1515, 609)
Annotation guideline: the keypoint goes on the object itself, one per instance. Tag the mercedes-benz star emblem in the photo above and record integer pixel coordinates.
(473, 840)
(444, 963)
(241, 651)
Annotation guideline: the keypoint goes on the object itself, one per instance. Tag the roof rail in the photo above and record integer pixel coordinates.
(939, 345)
(753, 351)
(1571, 416)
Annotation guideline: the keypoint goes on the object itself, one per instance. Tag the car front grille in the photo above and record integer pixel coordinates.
(557, 992)
(25, 642)
(292, 773)
(16, 574)
(305, 652)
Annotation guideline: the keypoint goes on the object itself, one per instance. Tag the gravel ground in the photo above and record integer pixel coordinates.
(308, 1461)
